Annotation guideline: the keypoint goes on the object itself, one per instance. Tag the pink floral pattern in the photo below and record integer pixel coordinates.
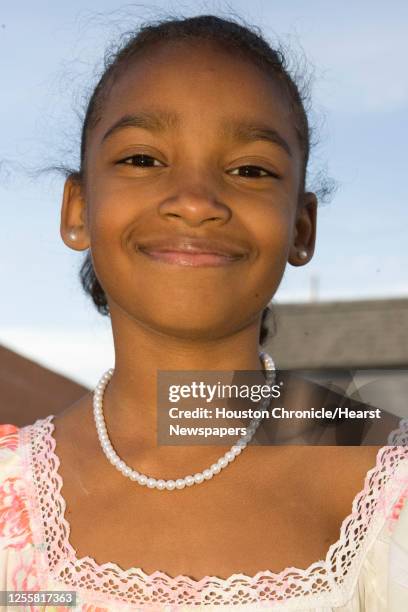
(15, 530)
(14, 517)
(24, 576)
(8, 437)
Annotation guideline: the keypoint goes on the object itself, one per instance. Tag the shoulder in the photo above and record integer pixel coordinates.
(376, 528)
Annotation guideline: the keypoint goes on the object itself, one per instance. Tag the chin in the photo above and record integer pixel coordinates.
(199, 332)
(191, 328)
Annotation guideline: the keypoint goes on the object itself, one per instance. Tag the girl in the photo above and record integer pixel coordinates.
(190, 201)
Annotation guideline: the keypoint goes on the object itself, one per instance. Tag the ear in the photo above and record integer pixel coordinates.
(304, 235)
(73, 228)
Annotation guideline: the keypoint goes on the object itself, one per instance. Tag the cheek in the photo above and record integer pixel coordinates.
(111, 212)
(112, 208)
(272, 227)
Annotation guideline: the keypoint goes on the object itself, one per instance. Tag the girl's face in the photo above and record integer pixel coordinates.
(193, 144)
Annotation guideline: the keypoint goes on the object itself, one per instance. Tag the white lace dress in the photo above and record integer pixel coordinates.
(365, 570)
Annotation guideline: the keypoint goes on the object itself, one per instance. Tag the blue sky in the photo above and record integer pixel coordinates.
(49, 55)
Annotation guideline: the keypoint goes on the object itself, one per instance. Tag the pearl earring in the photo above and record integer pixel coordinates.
(72, 234)
(302, 254)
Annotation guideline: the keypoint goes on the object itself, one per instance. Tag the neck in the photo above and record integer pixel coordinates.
(130, 400)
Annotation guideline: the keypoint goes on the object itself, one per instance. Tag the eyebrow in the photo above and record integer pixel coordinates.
(239, 130)
(154, 122)
(245, 131)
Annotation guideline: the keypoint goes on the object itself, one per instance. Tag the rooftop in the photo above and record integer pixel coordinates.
(351, 334)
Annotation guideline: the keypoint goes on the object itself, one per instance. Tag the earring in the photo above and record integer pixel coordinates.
(302, 254)
(72, 234)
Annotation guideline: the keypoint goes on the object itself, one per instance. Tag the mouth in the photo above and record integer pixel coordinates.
(192, 252)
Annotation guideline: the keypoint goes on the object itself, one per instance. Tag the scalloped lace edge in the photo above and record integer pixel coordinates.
(60, 558)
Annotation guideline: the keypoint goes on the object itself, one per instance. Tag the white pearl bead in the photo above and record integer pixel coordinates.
(161, 484)
(189, 480)
(170, 485)
(151, 483)
(198, 478)
(127, 471)
(215, 468)
(133, 475)
(121, 465)
(241, 443)
(229, 456)
(222, 462)
(142, 479)
(180, 483)
(208, 474)
(236, 450)
(115, 460)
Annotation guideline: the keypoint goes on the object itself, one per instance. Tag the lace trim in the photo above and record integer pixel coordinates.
(328, 582)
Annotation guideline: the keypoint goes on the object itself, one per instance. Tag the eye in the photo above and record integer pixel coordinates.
(140, 160)
(254, 172)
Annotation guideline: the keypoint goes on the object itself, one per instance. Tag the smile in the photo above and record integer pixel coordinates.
(192, 251)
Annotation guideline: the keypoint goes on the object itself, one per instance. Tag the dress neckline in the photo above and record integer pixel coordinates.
(324, 582)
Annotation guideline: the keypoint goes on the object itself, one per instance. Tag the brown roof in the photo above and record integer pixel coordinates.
(354, 334)
(29, 391)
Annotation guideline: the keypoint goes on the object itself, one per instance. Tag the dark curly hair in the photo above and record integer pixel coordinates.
(227, 34)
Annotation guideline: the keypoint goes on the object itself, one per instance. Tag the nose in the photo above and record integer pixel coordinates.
(195, 207)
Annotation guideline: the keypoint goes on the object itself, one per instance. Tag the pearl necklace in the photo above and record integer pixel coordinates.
(180, 483)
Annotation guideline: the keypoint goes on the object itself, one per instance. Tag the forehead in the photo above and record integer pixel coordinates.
(203, 84)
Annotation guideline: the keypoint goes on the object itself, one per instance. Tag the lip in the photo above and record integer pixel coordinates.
(192, 251)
